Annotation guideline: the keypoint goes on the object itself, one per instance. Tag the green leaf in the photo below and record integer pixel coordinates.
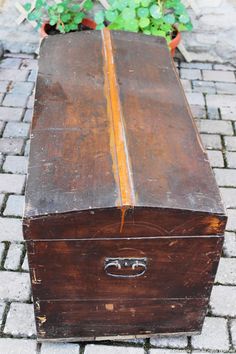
(67, 28)
(60, 9)
(88, 5)
(99, 17)
(148, 32)
(53, 20)
(34, 16)
(39, 4)
(61, 28)
(114, 5)
(184, 18)
(99, 27)
(182, 27)
(161, 33)
(118, 24)
(65, 17)
(189, 26)
(78, 18)
(166, 27)
(111, 15)
(143, 12)
(170, 18)
(122, 4)
(128, 14)
(27, 6)
(75, 8)
(145, 3)
(131, 26)
(168, 39)
(155, 11)
(144, 22)
(73, 26)
(132, 4)
(180, 9)
(154, 31)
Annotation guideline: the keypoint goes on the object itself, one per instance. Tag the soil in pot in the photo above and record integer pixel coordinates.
(85, 25)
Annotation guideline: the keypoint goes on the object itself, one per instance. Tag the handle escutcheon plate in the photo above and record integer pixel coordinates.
(125, 267)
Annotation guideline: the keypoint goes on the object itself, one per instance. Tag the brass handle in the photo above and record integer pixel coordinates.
(125, 267)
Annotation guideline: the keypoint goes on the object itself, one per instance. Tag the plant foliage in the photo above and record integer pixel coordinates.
(65, 15)
(151, 17)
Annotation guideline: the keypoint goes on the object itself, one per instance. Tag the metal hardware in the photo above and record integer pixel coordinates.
(122, 264)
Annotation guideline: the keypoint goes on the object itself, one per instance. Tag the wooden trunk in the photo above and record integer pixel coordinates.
(123, 221)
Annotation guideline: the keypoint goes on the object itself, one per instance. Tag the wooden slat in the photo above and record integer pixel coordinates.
(118, 143)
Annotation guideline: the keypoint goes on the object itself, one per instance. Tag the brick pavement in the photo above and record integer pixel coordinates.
(211, 91)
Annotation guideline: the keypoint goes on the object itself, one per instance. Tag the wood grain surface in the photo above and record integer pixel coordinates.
(112, 129)
(117, 171)
(76, 320)
(74, 270)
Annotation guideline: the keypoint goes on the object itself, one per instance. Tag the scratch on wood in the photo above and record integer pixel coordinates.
(42, 319)
(118, 141)
(109, 307)
(37, 305)
(35, 280)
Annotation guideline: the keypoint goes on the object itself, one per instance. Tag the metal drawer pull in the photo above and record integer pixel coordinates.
(124, 265)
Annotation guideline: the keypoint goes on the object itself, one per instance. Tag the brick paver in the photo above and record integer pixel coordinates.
(211, 91)
(14, 324)
(14, 205)
(230, 244)
(16, 286)
(228, 113)
(10, 183)
(60, 348)
(11, 114)
(11, 146)
(170, 342)
(11, 229)
(15, 130)
(18, 346)
(230, 143)
(223, 301)
(217, 75)
(214, 335)
(14, 254)
(191, 74)
(233, 332)
(215, 158)
(212, 141)
(108, 349)
(15, 164)
(229, 197)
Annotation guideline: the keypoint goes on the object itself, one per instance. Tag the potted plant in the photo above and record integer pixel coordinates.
(165, 18)
(62, 17)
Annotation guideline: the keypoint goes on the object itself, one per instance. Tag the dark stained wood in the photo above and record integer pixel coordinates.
(72, 160)
(176, 268)
(139, 221)
(87, 320)
(117, 171)
(70, 126)
(170, 166)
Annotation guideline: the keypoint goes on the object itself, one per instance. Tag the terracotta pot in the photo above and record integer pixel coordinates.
(174, 43)
(87, 22)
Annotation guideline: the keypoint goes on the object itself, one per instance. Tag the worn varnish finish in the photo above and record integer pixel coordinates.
(175, 266)
(123, 220)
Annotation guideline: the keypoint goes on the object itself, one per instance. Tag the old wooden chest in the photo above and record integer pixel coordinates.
(123, 221)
